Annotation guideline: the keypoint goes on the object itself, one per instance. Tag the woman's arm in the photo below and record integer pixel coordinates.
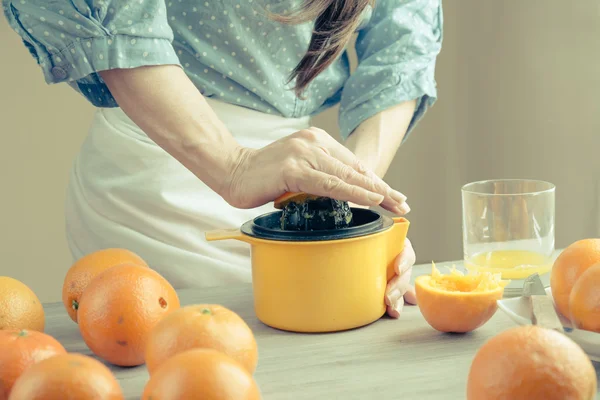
(376, 140)
(173, 113)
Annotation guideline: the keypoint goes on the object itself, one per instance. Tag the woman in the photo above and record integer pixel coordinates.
(203, 116)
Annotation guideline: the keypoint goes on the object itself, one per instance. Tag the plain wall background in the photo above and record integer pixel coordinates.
(518, 84)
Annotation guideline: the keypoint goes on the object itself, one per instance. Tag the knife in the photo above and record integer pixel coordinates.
(542, 307)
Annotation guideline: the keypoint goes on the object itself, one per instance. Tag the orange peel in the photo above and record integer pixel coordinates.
(288, 197)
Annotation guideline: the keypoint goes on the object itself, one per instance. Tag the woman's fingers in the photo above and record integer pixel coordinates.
(399, 290)
(394, 207)
(396, 288)
(335, 167)
(368, 180)
(396, 310)
(322, 184)
(409, 297)
(393, 200)
(406, 259)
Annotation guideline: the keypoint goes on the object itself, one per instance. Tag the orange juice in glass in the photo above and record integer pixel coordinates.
(508, 227)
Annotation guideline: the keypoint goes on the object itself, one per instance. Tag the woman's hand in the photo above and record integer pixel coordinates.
(309, 161)
(399, 290)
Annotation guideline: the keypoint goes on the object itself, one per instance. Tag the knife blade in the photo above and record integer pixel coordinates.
(542, 307)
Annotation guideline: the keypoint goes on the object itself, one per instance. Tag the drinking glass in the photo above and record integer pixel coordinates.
(508, 227)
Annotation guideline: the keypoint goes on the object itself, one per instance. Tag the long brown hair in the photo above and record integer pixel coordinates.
(335, 22)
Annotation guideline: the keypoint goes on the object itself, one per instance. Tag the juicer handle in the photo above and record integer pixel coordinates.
(225, 234)
(396, 240)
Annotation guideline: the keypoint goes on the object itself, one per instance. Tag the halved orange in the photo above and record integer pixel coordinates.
(456, 302)
(288, 197)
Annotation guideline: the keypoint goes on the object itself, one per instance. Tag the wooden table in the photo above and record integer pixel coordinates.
(390, 359)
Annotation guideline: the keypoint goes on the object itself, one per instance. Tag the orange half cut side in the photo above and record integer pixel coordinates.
(457, 302)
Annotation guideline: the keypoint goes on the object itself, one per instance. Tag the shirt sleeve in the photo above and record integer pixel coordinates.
(72, 40)
(397, 50)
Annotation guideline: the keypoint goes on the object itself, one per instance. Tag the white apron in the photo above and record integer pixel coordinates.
(125, 191)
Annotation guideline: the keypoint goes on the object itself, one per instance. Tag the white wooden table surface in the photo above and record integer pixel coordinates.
(389, 359)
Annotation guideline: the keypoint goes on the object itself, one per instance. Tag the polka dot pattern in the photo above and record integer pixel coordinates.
(233, 52)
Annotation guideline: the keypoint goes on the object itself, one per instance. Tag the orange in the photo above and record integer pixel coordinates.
(531, 363)
(118, 310)
(456, 302)
(67, 376)
(205, 374)
(20, 308)
(202, 326)
(288, 197)
(568, 267)
(20, 349)
(86, 268)
(584, 301)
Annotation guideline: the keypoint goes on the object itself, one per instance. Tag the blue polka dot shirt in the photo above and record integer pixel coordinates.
(233, 51)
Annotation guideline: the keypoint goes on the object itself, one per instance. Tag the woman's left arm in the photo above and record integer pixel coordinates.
(390, 90)
(376, 140)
